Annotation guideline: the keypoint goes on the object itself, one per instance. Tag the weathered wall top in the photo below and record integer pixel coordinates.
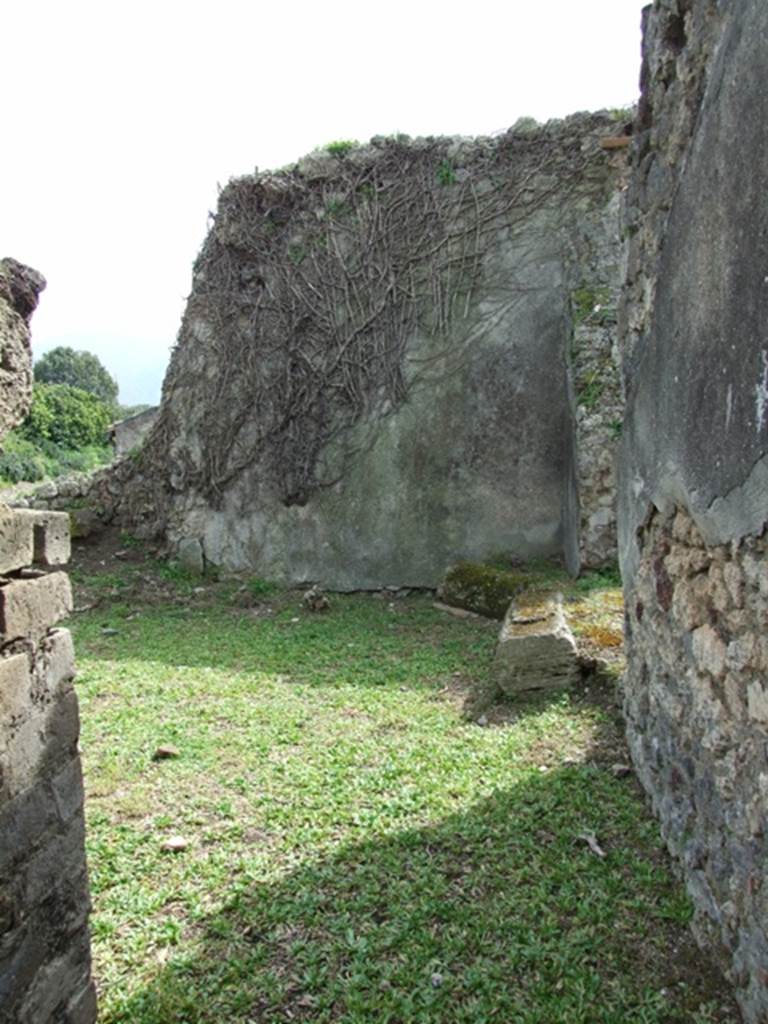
(372, 375)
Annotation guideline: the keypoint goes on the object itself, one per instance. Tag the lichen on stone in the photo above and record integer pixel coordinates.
(484, 589)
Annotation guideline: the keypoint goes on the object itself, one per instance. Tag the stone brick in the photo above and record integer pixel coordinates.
(16, 541)
(41, 744)
(44, 902)
(51, 541)
(54, 667)
(690, 603)
(757, 702)
(59, 866)
(709, 651)
(697, 712)
(719, 594)
(24, 822)
(47, 997)
(20, 960)
(82, 1008)
(7, 916)
(681, 527)
(684, 561)
(735, 697)
(734, 581)
(38, 710)
(760, 656)
(67, 787)
(739, 653)
(536, 649)
(29, 606)
(15, 688)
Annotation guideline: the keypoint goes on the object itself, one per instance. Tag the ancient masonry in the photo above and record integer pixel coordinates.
(694, 466)
(693, 485)
(396, 356)
(44, 901)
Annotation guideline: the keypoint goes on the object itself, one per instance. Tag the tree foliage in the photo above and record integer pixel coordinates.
(83, 370)
(66, 416)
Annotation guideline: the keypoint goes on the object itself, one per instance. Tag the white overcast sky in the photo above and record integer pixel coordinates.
(121, 118)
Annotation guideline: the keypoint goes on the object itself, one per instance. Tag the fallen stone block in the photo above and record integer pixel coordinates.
(481, 589)
(16, 540)
(51, 542)
(30, 605)
(536, 649)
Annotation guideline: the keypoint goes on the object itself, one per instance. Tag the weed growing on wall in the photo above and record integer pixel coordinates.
(446, 175)
(341, 147)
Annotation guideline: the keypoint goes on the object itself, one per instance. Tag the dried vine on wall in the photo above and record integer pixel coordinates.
(313, 282)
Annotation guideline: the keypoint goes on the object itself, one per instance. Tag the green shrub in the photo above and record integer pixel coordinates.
(605, 577)
(590, 302)
(81, 460)
(340, 147)
(172, 571)
(446, 175)
(257, 587)
(66, 417)
(21, 460)
(589, 391)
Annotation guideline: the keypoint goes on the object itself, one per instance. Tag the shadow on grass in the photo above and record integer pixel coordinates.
(500, 913)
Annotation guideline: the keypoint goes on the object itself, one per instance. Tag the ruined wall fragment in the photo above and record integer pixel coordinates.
(694, 466)
(372, 379)
(44, 901)
(20, 287)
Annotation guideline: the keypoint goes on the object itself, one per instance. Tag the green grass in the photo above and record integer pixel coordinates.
(358, 851)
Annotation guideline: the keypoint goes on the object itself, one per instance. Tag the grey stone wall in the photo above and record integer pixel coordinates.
(44, 901)
(129, 433)
(694, 465)
(473, 454)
